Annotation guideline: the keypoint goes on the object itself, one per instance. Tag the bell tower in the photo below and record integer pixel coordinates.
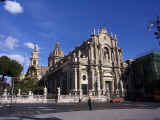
(34, 58)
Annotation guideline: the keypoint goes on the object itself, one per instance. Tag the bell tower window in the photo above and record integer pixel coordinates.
(34, 62)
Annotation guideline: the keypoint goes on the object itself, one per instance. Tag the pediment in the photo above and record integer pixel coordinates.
(108, 74)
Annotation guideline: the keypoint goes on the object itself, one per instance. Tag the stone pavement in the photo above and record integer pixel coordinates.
(108, 114)
(101, 111)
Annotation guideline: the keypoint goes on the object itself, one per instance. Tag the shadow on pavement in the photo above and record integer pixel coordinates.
(25, 110)
(32, 118)
(130, 105)
(29, 118)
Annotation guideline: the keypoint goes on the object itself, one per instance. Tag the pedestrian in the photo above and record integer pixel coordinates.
(79, 100)
(56, 97)
(111, 101)
(89, 104)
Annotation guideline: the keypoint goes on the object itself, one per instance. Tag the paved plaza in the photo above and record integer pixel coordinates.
(103, 111)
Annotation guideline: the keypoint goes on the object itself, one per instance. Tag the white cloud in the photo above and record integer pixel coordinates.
(1, 37)
(9, 43)
(29, 45)
(37, 47)
(13, 7)
(16, 57)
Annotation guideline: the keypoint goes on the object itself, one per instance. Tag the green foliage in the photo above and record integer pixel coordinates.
(10, 67)
(29, 84)
(31, 71)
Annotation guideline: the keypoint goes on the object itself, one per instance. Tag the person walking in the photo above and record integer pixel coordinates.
(89, 104)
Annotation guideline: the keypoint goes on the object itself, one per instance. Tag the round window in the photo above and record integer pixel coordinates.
(84, 77)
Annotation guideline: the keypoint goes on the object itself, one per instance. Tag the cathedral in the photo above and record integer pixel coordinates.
(92, 68)
(96, 68)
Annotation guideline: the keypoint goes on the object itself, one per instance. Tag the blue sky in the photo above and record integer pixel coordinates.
(70, 22)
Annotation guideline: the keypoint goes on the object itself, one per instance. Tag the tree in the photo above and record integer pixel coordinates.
(31, 72)
(9, 67)
(29, 84)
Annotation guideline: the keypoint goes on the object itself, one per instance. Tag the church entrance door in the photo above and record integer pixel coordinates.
(84, 89)
(108, 85)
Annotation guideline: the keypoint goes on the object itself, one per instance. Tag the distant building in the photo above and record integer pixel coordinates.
(94, 67)
(35, 70)
(142, 76)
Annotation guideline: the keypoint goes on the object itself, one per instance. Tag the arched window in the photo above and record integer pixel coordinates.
(83, 54)
(34, 62)
(106, 56)
(84, 77)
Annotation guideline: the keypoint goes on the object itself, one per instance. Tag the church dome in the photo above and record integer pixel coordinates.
(57, 51)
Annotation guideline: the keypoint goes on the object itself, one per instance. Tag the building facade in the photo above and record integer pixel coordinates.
(142, 76)
(93, 68)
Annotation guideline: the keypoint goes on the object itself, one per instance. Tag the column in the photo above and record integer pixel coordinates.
(98, 83)
(103, 87)
(75, 79)
(122, 89)
(98, 80)
(112, 87)
(75, 73)
(110, 57)
(117, 79)
(90, 58)
(117, 57)
(92, 79)
(79, 82)
(95, 53)
(92, 54)
(101, 54)
(117, 82)
(101, 80)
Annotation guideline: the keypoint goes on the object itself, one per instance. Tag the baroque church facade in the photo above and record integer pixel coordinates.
(93, 68)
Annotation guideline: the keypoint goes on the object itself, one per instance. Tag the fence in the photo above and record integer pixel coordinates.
(25, 99)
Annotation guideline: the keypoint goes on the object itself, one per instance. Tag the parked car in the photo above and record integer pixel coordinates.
(117, 100)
